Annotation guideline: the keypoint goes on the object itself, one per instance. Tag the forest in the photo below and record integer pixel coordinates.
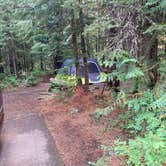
(128, 40)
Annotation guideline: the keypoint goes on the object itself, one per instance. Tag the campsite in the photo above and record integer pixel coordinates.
(82, 83)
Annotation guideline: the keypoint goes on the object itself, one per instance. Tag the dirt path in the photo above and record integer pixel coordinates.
(77, 137)
(23, 99)
(25, 138)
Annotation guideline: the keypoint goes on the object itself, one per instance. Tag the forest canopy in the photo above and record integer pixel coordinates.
(41, 34)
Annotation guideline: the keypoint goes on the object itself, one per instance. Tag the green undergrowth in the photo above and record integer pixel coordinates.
(63, 83)
(9, 81)
(143, 118)
(31, 79)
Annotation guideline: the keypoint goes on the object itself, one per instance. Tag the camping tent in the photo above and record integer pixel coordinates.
(94, 70)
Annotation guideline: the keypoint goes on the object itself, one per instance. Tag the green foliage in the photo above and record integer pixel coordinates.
(160, 89)
(37, 35)
(63, 82)
(124, 1)
(143, 121)
(13, 81)
(146, 127)
(153, 6)
(127, 68)
(149, 150)
(31, 80)
(162, 67)
(102, 112)
(140, 117)
(10, 81)
(37, 73)
(159, 103)
(104, 160)
(156, 28)
(160, 106)
(2, 76)
(141, 103)
(99, 25)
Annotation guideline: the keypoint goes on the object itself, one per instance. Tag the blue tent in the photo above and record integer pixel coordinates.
(94, 69)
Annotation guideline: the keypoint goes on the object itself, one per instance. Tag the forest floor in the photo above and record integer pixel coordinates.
(78, 135)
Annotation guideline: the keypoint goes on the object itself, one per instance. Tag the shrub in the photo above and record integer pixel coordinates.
(10, 81)
(32, 81)
(144, 151)
(104, 160)
(148, 148)
(141, 118)
(145, 121)
(2, 76)
(37, 73)
(62, 82)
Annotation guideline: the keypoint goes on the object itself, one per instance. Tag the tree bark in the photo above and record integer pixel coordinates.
(1, 61)
(74, 43)
(12, 51)
(8, 64)
(83, 47)
(32, 63)
(57, 61)
(14, 64)
(41, 63)
(153, 74)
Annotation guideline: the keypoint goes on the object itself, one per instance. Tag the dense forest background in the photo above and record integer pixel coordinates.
(127, 37)
(39, 35)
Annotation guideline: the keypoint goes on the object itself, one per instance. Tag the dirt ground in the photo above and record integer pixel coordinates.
(77, 134)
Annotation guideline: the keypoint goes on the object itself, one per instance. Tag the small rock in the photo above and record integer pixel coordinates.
(74, 111)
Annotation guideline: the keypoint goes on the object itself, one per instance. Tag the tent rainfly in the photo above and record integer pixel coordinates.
(94, 69)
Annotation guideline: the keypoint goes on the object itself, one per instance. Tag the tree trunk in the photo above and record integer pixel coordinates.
(41, 63)
(153, 74)
(32, 63)
(74, 43)
(14, 64)
(12, 52)
(83, 47)
(1, 61)
(26, 62)
(8, 64)
(57, 61)
(88, 46)
(24, 67)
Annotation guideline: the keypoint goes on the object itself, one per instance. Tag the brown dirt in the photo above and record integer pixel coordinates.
(77, 135)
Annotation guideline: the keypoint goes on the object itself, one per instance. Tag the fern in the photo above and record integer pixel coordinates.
(149, 145)
(126, 67)
(103, 161)
(161, 102)
(149, 150)
(103, 112)
(155, 5)
(134, 72)
(159, 28)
